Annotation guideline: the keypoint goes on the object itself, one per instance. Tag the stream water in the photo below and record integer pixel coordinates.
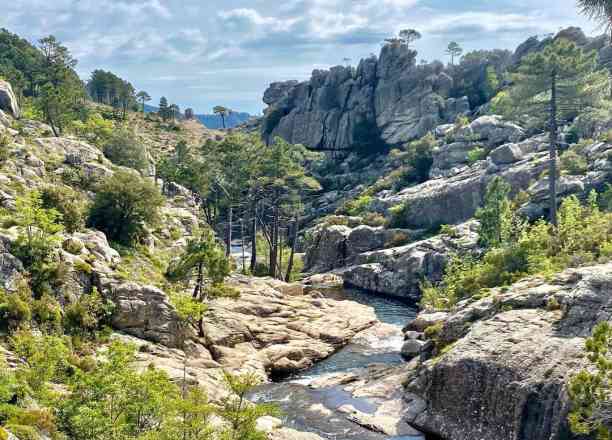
(315, 410)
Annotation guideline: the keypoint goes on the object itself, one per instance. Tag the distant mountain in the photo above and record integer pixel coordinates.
(214, 121)
(233, 120)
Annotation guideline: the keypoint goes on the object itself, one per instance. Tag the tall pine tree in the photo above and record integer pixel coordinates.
(552, 87)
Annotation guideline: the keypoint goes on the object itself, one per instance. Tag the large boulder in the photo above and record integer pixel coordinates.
(511, 356)
(145, 312)
(326, 248)
(8, 100)
(399, 271)
(490, 130)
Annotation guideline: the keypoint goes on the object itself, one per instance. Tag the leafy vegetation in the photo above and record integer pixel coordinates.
(516, 249)
(124, 204)
(590, 388)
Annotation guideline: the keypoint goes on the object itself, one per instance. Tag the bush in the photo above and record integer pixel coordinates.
(95, 129)
(573, 163)
(583, 236)
(332, 220)
(397, 239)
(462, 121)
(123, 205)
(399, 215)
(125, 150)
(420, 158)
(68, 203)
(15, 307)
(358, 206)
(476, 154)
(87, 314)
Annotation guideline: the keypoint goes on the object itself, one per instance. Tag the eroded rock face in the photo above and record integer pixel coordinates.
(8, 100)
(504, 377)
(388, 99)
(399, 271)
(145, 312)
(455, 199)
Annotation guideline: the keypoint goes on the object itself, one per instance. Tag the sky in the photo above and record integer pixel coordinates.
(202, 53)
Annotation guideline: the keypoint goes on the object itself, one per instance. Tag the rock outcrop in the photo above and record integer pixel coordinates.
(398, 271)
(385, 100)
(390, 100)
(508, 359)
(8, 100)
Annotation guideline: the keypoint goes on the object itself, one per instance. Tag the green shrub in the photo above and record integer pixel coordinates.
(476, 154)
(420, 158)
(583, 236)
(358, 206)
(47, 311)
(462, 121)
(332, 220)
(399, 215)
(589, 389)
(573, 163)
(123, 205)
(15, 307)
(68, 203)
(123, 148)
(95, 129)
(449, 230)
(87, 314)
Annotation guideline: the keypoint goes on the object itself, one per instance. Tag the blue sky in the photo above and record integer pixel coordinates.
(201, 53)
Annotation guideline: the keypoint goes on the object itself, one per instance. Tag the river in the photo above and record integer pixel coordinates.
(316, 410)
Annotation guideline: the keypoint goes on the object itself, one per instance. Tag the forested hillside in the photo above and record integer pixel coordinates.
(396, 250)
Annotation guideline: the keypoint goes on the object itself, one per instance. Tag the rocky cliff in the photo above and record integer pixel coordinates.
(391, 99)
(385, 100)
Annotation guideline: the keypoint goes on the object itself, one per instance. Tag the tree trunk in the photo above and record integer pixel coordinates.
(554, 139)
(293, 246)
(242, 241)
(274, 243)
(199, 281)
(228, 232)
(254, 239)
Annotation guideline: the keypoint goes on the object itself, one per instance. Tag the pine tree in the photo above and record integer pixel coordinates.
(454, 50)
(164, 109)
(143, 97)
(552, 87)
(496, 215)
(223, 112)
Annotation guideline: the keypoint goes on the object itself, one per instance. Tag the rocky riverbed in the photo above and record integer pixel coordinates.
(356, 392)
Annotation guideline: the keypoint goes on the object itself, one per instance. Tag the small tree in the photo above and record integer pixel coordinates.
(123, 205)
(454, 50)
(39, 228)
(143, 97)
(241, 414)
(124, 149)
(496, 215)
(202, 257)
(164, 110)
(590, 389)
(552, 87)
(409, 36)
(189, 113)
(223, 112)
